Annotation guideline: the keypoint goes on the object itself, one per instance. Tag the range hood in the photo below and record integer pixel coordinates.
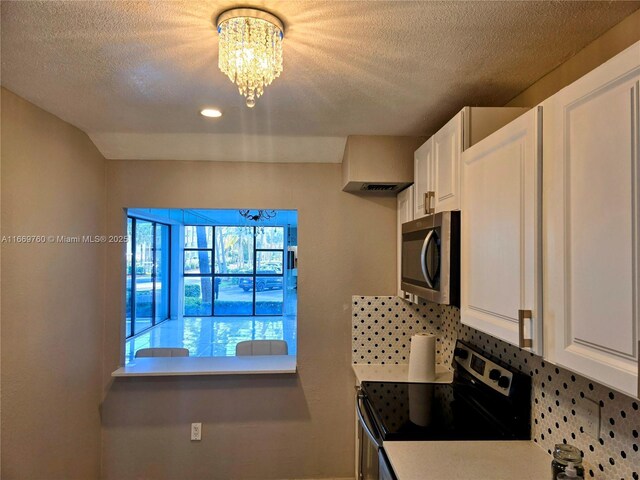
(377, 164)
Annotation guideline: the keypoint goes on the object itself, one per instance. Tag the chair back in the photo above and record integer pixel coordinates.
(162, 352)
(262, 347)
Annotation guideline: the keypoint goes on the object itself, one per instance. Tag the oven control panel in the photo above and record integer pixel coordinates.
(483, 369)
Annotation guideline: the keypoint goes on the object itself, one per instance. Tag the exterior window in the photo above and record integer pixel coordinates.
(233, 270)
(204, 280)
(147, 290)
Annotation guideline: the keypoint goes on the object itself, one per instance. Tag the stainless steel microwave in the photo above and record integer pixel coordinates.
(431, 258)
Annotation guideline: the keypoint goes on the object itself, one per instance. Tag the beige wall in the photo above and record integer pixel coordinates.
(53, 183)
(623, 35)
(255, 427)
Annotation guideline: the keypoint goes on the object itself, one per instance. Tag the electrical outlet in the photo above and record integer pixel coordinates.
(591, 418)
(196, 431)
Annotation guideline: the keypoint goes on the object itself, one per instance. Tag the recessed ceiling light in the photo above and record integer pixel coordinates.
(210, 112)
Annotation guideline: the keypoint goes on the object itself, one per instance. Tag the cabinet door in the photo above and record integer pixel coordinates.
(447, 147)
(405, 214)
(423, 179)
(591, 223)
(500, 257)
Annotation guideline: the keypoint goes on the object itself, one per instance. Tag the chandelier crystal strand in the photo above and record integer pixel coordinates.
(250, 52)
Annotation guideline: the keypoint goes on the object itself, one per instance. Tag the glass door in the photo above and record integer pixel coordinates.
(147, 284)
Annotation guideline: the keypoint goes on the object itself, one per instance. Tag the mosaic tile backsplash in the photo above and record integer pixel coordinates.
(382, 329)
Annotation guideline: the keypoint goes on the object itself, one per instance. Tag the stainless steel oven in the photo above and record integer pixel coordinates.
(373, 463)
(369, 442)
(385, 471)
(487, 400)
(431, 258)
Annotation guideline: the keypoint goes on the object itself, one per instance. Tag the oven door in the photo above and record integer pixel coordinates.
(426, 251)
(384, 465)
(369, 440)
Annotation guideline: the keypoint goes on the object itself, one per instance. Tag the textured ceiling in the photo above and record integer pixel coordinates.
(144, 69)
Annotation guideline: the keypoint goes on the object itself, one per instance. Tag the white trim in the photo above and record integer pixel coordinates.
(189, 366)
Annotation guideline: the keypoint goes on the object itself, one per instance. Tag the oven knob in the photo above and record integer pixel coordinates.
(495, 375)
(503, 382)
(460, 353)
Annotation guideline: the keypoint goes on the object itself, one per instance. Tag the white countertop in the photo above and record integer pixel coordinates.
(395, 373)
(178, 366)
(470, 460)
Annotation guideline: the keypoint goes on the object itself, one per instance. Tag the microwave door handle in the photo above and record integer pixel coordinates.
(423, 258)
(365, 425)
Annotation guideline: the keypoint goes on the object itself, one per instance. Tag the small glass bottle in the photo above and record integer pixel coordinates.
(570, 472)
(562, 455)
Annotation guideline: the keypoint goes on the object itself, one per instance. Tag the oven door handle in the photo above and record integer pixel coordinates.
(423, 258)
(365, 425)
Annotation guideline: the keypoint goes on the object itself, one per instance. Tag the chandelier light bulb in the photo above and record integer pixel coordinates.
(250, 50)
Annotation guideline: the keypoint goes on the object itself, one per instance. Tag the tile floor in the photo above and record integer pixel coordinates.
(214, 336)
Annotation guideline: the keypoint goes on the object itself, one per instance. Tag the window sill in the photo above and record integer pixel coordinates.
(185, 366)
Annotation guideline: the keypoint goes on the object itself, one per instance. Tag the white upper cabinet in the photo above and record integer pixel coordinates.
(405, 214)
(437, 168)
(447, 147)
(591, 223)
(500, 234)
(423, 175)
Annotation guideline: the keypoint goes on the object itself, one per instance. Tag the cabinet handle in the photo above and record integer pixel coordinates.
(524, 342)
(635, 106)
(428, 209)
(635, 100)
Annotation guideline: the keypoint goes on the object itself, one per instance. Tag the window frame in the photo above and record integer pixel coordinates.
(132, 299)
(254, 275)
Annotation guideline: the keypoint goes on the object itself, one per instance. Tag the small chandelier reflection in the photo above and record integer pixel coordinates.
(259, 215)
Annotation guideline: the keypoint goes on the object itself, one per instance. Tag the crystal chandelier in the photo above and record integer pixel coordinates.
(250, 49)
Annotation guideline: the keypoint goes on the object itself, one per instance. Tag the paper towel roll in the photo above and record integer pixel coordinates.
(422, 358)
(420, 402)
